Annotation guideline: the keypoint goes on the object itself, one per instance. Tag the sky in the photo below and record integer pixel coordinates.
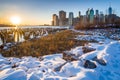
(39, 12)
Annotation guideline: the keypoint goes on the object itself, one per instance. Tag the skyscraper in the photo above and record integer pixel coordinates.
(91, 16)
(70, 19)
(62, 18)
(88, 15)
(97, 13)
(110, 10)
(55, 21)
(102, 18)
(79, 14)
(97, 17)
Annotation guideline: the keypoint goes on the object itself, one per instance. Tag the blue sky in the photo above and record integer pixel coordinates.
(40, 11)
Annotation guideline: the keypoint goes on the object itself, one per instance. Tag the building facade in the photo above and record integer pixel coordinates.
(71, 19)
(91, 16)
(62, 18)
(55, 21)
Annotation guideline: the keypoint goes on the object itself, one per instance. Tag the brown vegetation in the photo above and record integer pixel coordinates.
(51, 44)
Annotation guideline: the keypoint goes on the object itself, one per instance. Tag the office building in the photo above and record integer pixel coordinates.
(70, 19)
(55, 21)
(62, 18)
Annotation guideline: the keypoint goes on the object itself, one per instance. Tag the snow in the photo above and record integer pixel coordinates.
(16, 75)
(43, 68)
(77, 51)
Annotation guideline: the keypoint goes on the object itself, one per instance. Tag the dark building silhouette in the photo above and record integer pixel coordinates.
(110, 10)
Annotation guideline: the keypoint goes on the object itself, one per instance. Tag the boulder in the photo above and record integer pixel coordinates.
(100, 61)
(89, 64)
(68, 57)
(87, 49)
(1, 46)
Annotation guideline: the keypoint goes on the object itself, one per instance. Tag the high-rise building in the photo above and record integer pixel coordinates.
(88, 15)
(97, 17)
(97, 13)
(79, 14)
(62, 18)
(102, 18)
(55, 21)
(110, 10)
(84, 21)
(70, 19)
(77, 19)
(91, 16)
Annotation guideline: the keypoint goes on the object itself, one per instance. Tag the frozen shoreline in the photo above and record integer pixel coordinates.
(32, 68)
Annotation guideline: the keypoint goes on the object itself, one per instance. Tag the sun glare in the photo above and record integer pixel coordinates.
(15, 20)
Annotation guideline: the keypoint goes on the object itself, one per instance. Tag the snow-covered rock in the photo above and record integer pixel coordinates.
(16, 75)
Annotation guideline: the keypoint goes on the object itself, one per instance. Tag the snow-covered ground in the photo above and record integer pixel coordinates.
(104, 59)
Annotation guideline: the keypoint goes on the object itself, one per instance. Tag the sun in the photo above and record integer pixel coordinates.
(15, 20)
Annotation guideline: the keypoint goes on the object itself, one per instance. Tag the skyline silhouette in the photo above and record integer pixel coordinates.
(39, 12)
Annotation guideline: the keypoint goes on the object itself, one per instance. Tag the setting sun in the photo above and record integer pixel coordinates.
(15, 20)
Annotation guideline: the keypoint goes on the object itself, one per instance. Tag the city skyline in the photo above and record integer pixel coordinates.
(39, 12)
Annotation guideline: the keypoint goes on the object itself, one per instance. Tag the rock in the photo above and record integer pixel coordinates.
(1, 47)
(89, 64)
(100, 61)
(59, 67)
(68, 57)
(14, 66)
(87, 49)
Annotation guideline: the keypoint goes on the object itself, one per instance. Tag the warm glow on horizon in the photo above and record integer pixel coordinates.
(15, 20)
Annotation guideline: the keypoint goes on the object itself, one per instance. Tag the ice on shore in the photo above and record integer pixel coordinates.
(54, 67)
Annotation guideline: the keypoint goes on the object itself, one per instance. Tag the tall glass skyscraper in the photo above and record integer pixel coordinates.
(110, 10)
(70, 19)
(92, 16)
